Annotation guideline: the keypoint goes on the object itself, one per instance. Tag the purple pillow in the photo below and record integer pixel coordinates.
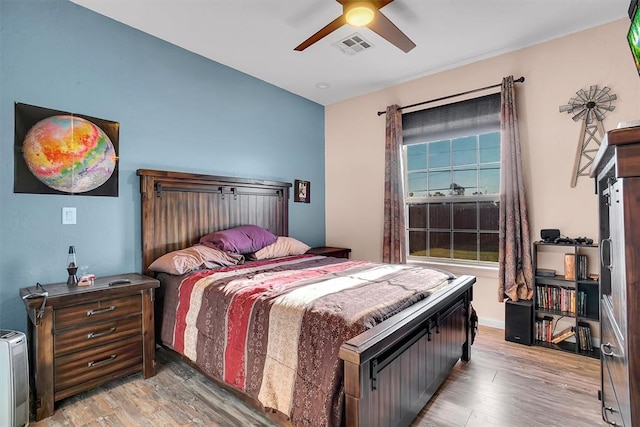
(240, 240)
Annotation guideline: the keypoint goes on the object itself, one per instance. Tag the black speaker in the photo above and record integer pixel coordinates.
(518, 319)
(548, 235)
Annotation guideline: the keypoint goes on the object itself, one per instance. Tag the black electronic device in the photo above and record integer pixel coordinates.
(549, 235)
(583, 240)
(518, 318)
(545, 272)
(564, 240)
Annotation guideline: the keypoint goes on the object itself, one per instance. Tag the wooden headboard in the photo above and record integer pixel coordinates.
(178, 208)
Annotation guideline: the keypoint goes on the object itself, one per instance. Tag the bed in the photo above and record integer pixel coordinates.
(383, 373)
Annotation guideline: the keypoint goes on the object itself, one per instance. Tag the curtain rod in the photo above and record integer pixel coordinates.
(520, 80)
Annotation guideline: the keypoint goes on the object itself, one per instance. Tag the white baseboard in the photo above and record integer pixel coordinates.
(498, 324)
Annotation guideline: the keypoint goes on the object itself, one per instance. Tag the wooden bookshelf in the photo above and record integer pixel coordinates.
(569, 297)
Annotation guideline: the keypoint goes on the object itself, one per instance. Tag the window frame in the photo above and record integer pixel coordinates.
(451, 199)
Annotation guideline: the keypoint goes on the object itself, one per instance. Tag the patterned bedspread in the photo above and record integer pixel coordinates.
(273, 329)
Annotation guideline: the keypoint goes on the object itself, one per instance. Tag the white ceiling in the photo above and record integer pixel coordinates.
(257, 37)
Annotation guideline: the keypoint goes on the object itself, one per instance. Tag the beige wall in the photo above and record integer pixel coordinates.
(554, 71)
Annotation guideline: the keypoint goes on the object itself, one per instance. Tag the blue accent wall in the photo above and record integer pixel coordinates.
(177, 111)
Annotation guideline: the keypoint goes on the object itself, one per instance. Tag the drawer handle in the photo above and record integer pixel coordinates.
(604, 415)
(103, 310)
(101, 362)
(606, 353)
(100, 334)
(610, 264)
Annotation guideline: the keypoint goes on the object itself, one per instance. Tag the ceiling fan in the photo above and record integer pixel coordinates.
(363, 14)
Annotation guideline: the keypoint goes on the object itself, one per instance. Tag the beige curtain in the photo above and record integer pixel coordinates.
(393, 245)
(515, 275)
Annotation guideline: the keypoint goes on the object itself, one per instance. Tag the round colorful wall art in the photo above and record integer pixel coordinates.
(69, 153)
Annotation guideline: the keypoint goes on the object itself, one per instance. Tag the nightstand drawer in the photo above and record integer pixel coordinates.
(96, 311)
(99, 364)
(96, 333)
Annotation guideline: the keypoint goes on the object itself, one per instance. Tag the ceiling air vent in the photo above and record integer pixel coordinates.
(353, 44)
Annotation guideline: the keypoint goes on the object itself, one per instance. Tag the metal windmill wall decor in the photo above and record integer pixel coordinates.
(590, 108)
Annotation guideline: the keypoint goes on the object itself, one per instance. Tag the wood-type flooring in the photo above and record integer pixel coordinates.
(504, 384)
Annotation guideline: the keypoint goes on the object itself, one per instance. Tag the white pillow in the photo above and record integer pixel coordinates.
(283, 246)
(193, 258)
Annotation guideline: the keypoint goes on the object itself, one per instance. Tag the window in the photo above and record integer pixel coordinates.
(452, 180)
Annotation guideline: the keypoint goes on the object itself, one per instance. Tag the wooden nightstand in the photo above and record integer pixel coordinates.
(330, 251)
(84, 336)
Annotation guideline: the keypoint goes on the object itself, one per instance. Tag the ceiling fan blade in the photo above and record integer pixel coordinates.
(323, 32)
(386, 29)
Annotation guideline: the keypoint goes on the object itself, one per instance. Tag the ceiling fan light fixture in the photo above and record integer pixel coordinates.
(359, 14)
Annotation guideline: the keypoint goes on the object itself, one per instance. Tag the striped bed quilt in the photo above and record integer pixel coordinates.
(273, 329)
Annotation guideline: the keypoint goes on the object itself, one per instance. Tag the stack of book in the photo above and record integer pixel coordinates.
(563, 335)
(544, 329)
(582, 303)
(575, 267)
(584, 337)
(555, 298)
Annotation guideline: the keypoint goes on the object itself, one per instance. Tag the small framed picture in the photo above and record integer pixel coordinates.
(302, 191)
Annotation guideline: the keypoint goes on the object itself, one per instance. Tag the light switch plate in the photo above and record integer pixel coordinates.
(68, 216)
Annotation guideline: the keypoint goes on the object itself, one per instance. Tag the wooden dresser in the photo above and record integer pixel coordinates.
(82, 337)
(616, 168)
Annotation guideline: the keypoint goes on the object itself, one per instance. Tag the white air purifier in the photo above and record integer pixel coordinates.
(14, 379)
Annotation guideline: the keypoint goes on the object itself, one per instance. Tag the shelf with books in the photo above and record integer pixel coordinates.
(567, 295)
(589, 301)
(584, 340)
(569, 347)
(557, 299)
(555, 312)
(573, 339)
